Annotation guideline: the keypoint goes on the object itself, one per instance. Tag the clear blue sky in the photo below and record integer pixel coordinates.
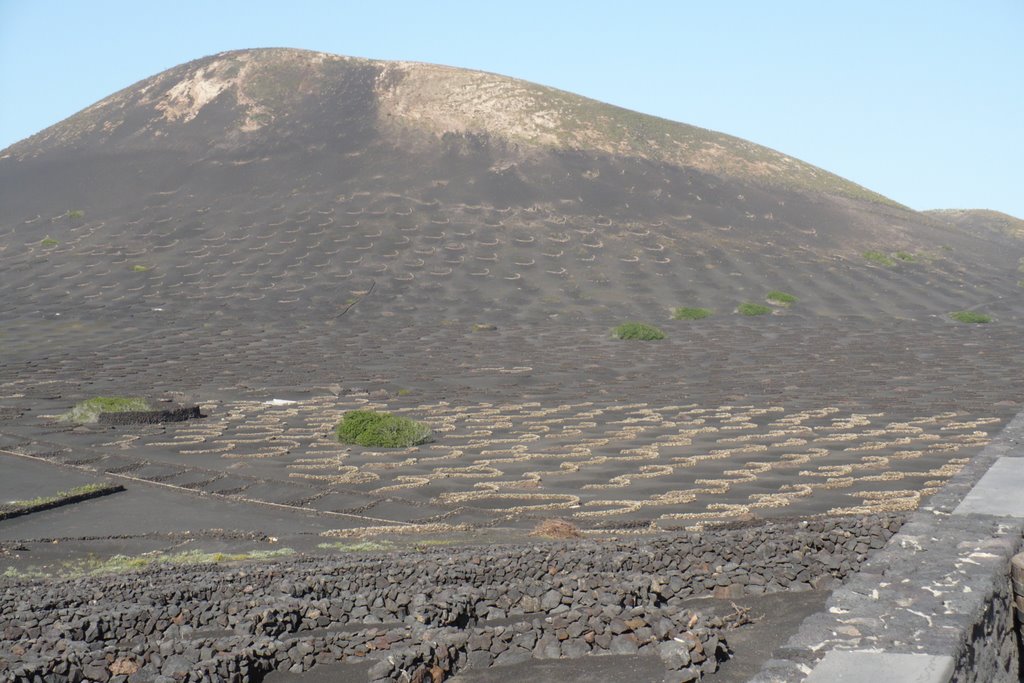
(921, 100)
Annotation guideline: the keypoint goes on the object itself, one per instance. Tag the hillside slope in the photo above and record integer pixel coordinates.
(270, 180)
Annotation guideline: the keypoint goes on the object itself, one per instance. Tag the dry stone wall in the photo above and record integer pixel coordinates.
(431, 613)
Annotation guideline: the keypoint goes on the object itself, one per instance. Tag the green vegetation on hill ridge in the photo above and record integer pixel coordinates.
(638, 331)
(970, 317)
(688, 313)
(750, 309)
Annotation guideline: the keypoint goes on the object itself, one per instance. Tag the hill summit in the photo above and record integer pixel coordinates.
(233, 100)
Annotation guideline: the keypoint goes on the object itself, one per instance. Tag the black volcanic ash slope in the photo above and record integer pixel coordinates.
(270, 180)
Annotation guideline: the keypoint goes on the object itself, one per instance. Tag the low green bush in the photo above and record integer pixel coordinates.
(752, 309)
(970, 317)
(640, 331)
(88, 411)
(879, 258)
(778, 297)
(374, 429)
(686, 313)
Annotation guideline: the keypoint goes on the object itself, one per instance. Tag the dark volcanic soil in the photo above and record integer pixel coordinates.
(725, 419)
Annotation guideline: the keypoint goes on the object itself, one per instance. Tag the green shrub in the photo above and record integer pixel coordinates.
(49, 242)
(686, 313)
(905, 256)
(752, 309)
(76, 214)
(970, 317)
(781, 297)
(139, 268)
(639, 331)
(381, 430)
(879, 258)
(88, 411)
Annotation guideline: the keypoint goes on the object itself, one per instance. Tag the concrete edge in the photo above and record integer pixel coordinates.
(849, 666)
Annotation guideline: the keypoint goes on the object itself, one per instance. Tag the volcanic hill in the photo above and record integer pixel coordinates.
(280, 180)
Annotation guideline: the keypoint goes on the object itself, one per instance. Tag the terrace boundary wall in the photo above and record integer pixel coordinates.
(445, 608)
